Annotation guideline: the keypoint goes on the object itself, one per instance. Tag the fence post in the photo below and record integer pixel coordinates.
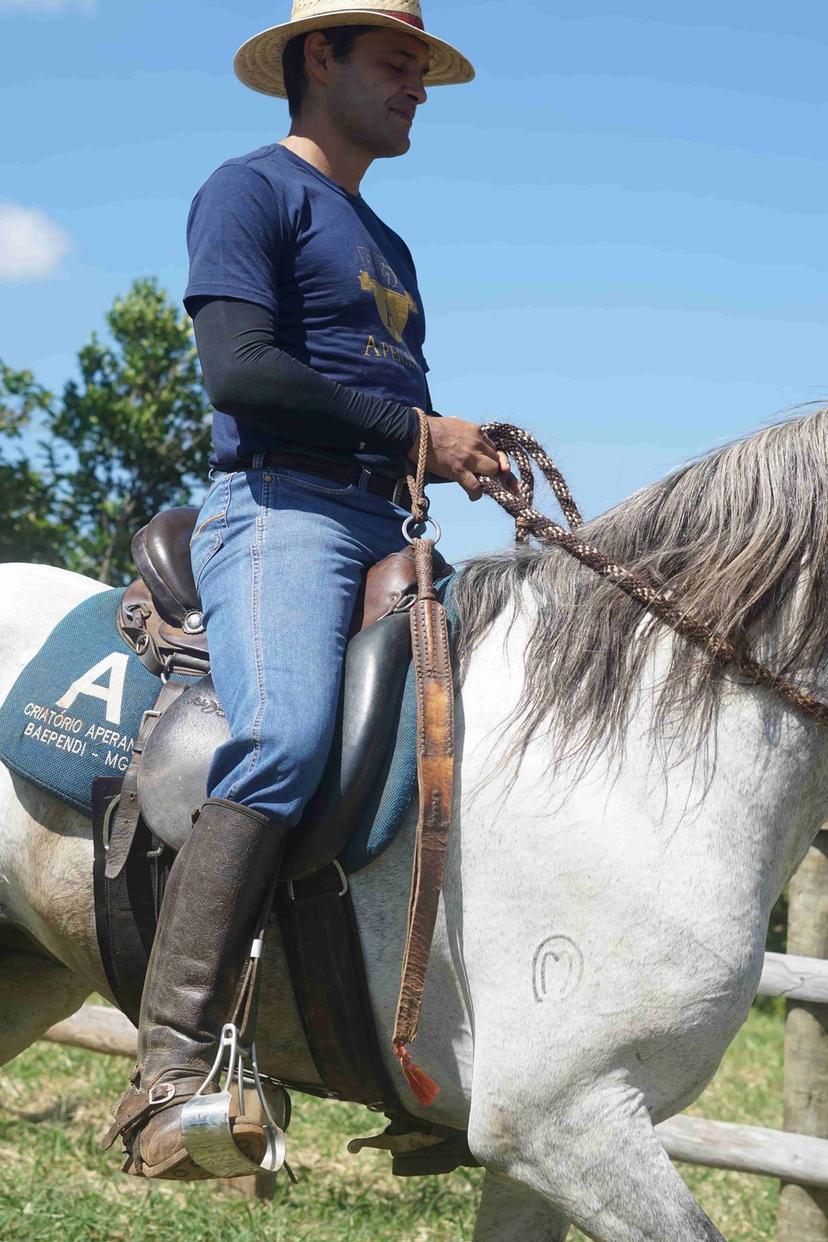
(803, 1213)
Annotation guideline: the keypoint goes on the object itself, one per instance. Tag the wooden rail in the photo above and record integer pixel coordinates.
(747, 1149)
(99, 1029)
(795, 978)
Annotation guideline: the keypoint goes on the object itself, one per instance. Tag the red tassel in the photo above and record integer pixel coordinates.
(425, 1089)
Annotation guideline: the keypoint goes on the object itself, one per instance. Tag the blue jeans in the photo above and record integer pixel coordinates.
(278, 558)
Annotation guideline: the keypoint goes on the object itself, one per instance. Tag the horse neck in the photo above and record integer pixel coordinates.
(755, 790)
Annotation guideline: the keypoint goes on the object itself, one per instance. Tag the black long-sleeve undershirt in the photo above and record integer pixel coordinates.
(248, 376)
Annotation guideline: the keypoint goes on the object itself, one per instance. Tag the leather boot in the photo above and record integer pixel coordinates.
(212, 903)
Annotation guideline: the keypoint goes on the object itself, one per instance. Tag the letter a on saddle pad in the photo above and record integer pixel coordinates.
(74, 712)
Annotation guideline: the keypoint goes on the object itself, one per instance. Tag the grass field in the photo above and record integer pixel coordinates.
(56, 1185)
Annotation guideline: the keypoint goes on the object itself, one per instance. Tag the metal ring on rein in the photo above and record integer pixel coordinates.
(422, 527)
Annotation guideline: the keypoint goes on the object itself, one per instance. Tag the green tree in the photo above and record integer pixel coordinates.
(29, 529)
(128, 438)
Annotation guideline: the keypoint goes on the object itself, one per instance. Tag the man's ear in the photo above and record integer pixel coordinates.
(317, 57)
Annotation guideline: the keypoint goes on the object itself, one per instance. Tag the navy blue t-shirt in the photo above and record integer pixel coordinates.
(270, 228)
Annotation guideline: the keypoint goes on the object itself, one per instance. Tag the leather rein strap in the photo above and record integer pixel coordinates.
(523, 448)
(435, 778)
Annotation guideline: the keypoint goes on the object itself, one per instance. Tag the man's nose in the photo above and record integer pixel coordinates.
(417, 92)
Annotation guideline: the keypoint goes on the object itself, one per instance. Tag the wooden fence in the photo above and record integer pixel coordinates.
(797, 1156)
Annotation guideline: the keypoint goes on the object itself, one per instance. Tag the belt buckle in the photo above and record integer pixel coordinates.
(399, 491)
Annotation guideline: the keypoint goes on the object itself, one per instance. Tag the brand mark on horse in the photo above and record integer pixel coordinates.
(557, 969)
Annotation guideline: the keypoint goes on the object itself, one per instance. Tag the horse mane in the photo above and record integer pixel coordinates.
(727, 534)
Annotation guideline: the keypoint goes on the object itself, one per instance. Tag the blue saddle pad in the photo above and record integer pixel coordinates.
(74, 712)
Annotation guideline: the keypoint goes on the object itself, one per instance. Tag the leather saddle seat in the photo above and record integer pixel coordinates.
(161, 618)
(161, 551)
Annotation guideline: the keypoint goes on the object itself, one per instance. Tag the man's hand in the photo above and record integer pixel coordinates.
(459, 450)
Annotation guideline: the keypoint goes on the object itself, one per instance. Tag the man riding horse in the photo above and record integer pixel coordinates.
(310, 330)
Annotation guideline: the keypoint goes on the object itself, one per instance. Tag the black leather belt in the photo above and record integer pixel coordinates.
(342, 471)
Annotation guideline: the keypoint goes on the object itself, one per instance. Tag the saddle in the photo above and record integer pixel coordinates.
(161, 619)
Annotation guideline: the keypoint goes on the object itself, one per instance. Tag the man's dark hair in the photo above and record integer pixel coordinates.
(341, 39)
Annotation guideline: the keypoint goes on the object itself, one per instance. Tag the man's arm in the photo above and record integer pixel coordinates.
(248, 376)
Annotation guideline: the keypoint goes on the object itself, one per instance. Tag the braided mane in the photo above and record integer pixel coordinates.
(729, 535)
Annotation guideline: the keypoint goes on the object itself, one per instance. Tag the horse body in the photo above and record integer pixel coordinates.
(600, 937)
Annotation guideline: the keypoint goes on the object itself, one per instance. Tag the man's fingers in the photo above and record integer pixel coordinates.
(460, 450)
(489, 466)
(470, 485)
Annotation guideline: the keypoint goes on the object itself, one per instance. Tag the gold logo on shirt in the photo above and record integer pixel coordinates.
(394, 308)
(394, 304)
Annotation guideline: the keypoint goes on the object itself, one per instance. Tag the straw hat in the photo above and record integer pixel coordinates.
(258, 62)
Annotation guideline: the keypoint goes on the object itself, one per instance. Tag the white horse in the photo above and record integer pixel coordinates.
(625, 817)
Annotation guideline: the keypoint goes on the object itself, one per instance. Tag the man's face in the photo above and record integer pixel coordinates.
(373, 97)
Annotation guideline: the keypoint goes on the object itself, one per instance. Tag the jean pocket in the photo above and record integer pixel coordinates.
(203, 548)
(214, 507)
(318, 484)
(211, 525)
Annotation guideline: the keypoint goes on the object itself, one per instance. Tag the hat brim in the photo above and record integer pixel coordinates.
(258, 62)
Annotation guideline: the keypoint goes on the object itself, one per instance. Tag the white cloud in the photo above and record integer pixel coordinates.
(31, 245)
(52, 8)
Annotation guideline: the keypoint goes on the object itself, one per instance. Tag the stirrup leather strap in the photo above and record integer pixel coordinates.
(129, 810)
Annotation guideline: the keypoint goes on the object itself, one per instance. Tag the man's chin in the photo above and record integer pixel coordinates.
(398, 147)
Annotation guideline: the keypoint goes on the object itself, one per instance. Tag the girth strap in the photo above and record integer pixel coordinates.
(321, 940)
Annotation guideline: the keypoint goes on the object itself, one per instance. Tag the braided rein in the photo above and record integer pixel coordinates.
(523, 448)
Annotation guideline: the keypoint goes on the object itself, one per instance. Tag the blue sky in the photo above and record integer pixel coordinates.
(619, 226)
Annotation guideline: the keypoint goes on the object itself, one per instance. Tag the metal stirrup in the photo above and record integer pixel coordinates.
(205, 1119)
